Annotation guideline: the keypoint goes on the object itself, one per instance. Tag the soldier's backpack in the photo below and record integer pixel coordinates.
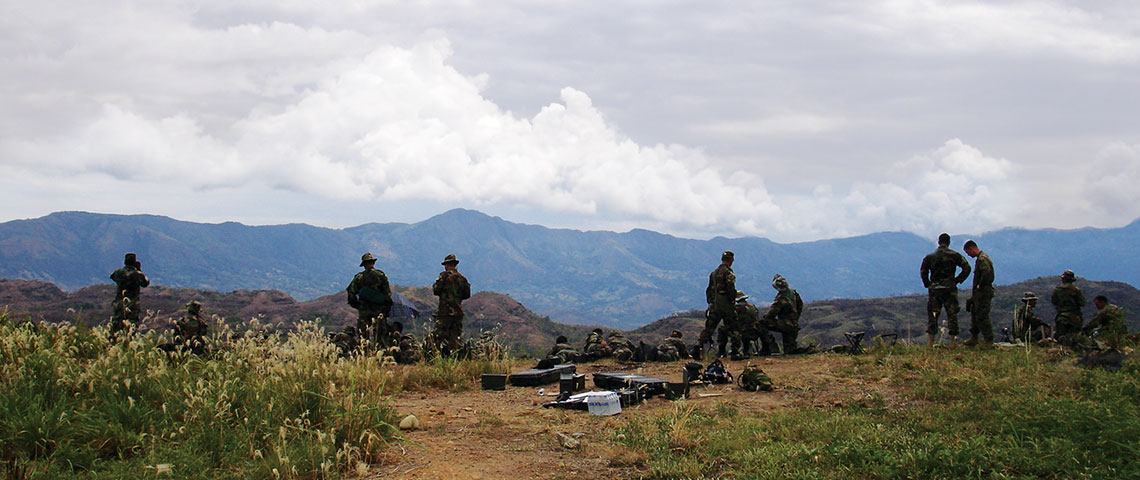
(715, 373)
(754, 379)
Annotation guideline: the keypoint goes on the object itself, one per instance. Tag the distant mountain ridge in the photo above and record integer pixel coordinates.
(623, 280)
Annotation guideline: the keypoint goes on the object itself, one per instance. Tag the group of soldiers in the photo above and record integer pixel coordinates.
(740, 322)
(369, 293)
(942, 271)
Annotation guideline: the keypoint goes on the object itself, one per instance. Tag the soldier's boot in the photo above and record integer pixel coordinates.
(930, 340)
(973, 340)
(720, 352)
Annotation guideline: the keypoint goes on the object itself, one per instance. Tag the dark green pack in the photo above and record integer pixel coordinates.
(754, 379)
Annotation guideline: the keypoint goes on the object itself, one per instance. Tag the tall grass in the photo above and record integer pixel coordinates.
(73, 404)
(995, 414)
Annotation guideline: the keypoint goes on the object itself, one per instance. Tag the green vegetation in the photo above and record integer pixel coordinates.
(1010, 413)
(266, 406)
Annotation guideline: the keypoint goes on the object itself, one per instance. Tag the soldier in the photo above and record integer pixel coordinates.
(1068, 299)
(452, 288)
(937, 272)
(983, 295)
(1107, 325)
(672, 348)
(562, 351)
(596, 346)
(752, 329)
(346, 341)
(128, 281)
(720, 296)
(190, 331)
(408, 350)
(622, 348)
(370, 294)
(784, 314)
(1027, 326)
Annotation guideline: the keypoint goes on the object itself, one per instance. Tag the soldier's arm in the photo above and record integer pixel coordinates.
(988, 274)
(465, 288)
(965, 266)
(437, 287)
(924, 271)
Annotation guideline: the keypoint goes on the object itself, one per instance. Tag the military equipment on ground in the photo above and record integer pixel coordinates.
(540, 376)
(649, 386)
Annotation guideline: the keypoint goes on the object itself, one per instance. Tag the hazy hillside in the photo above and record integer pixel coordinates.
(616, 279)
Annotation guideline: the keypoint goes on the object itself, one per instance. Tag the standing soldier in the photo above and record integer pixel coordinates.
(937, 272)
(784, 315)
(128, 281)
(1027, 326)
(1068, 299)
(1107, 325)
(720, 295)
(371, 296)
(452, 288)
(983, 295)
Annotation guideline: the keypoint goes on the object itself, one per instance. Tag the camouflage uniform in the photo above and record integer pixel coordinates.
(452, 288)
(672, 349)
(622, 348)
(1068, 299)
(937, 272)
(1108, 325)
(190, 330)
(371, 295)
(720, 295)
(410, 351)
(596, 346)
(563, 352)
(783, 315)
(128, 281)
(1026, 324)
(981, 298)
(752, 329)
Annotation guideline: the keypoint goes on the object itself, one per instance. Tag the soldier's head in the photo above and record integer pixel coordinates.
(727, 257)
(740, 297)
(449, 262)
(676, 334)
(561, 339)
(971, 248)
(944, 240)
(367, 261)
(598, 331)
(1100, 301)
(1068, 276)
(193, 307)
(1029, 298)
(129, 259)
(779, 282)
(397, 326)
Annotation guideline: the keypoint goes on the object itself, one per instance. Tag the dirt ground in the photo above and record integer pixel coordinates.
(508, 434)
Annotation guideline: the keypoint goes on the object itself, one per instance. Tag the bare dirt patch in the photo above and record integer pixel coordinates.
(508, 434)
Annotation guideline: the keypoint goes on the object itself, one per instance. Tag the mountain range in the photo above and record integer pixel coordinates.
(621, 280)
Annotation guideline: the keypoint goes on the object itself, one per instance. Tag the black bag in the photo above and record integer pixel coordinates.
(715, 373)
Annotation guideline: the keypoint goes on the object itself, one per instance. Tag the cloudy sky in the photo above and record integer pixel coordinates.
(790, 120)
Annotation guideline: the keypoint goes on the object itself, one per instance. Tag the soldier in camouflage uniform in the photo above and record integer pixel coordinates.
(562, 350)
(720, 295)
(596, 346)
(1068, 299)
(128, 281)
(937, 272)
(982, 296)
(1107, 325)
(452, 288)
(752, 329)
(784, 315)
(673, 348)
(1027, 326)
(190, 331)
(622, 348)
(371, 295)
(408, 349)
